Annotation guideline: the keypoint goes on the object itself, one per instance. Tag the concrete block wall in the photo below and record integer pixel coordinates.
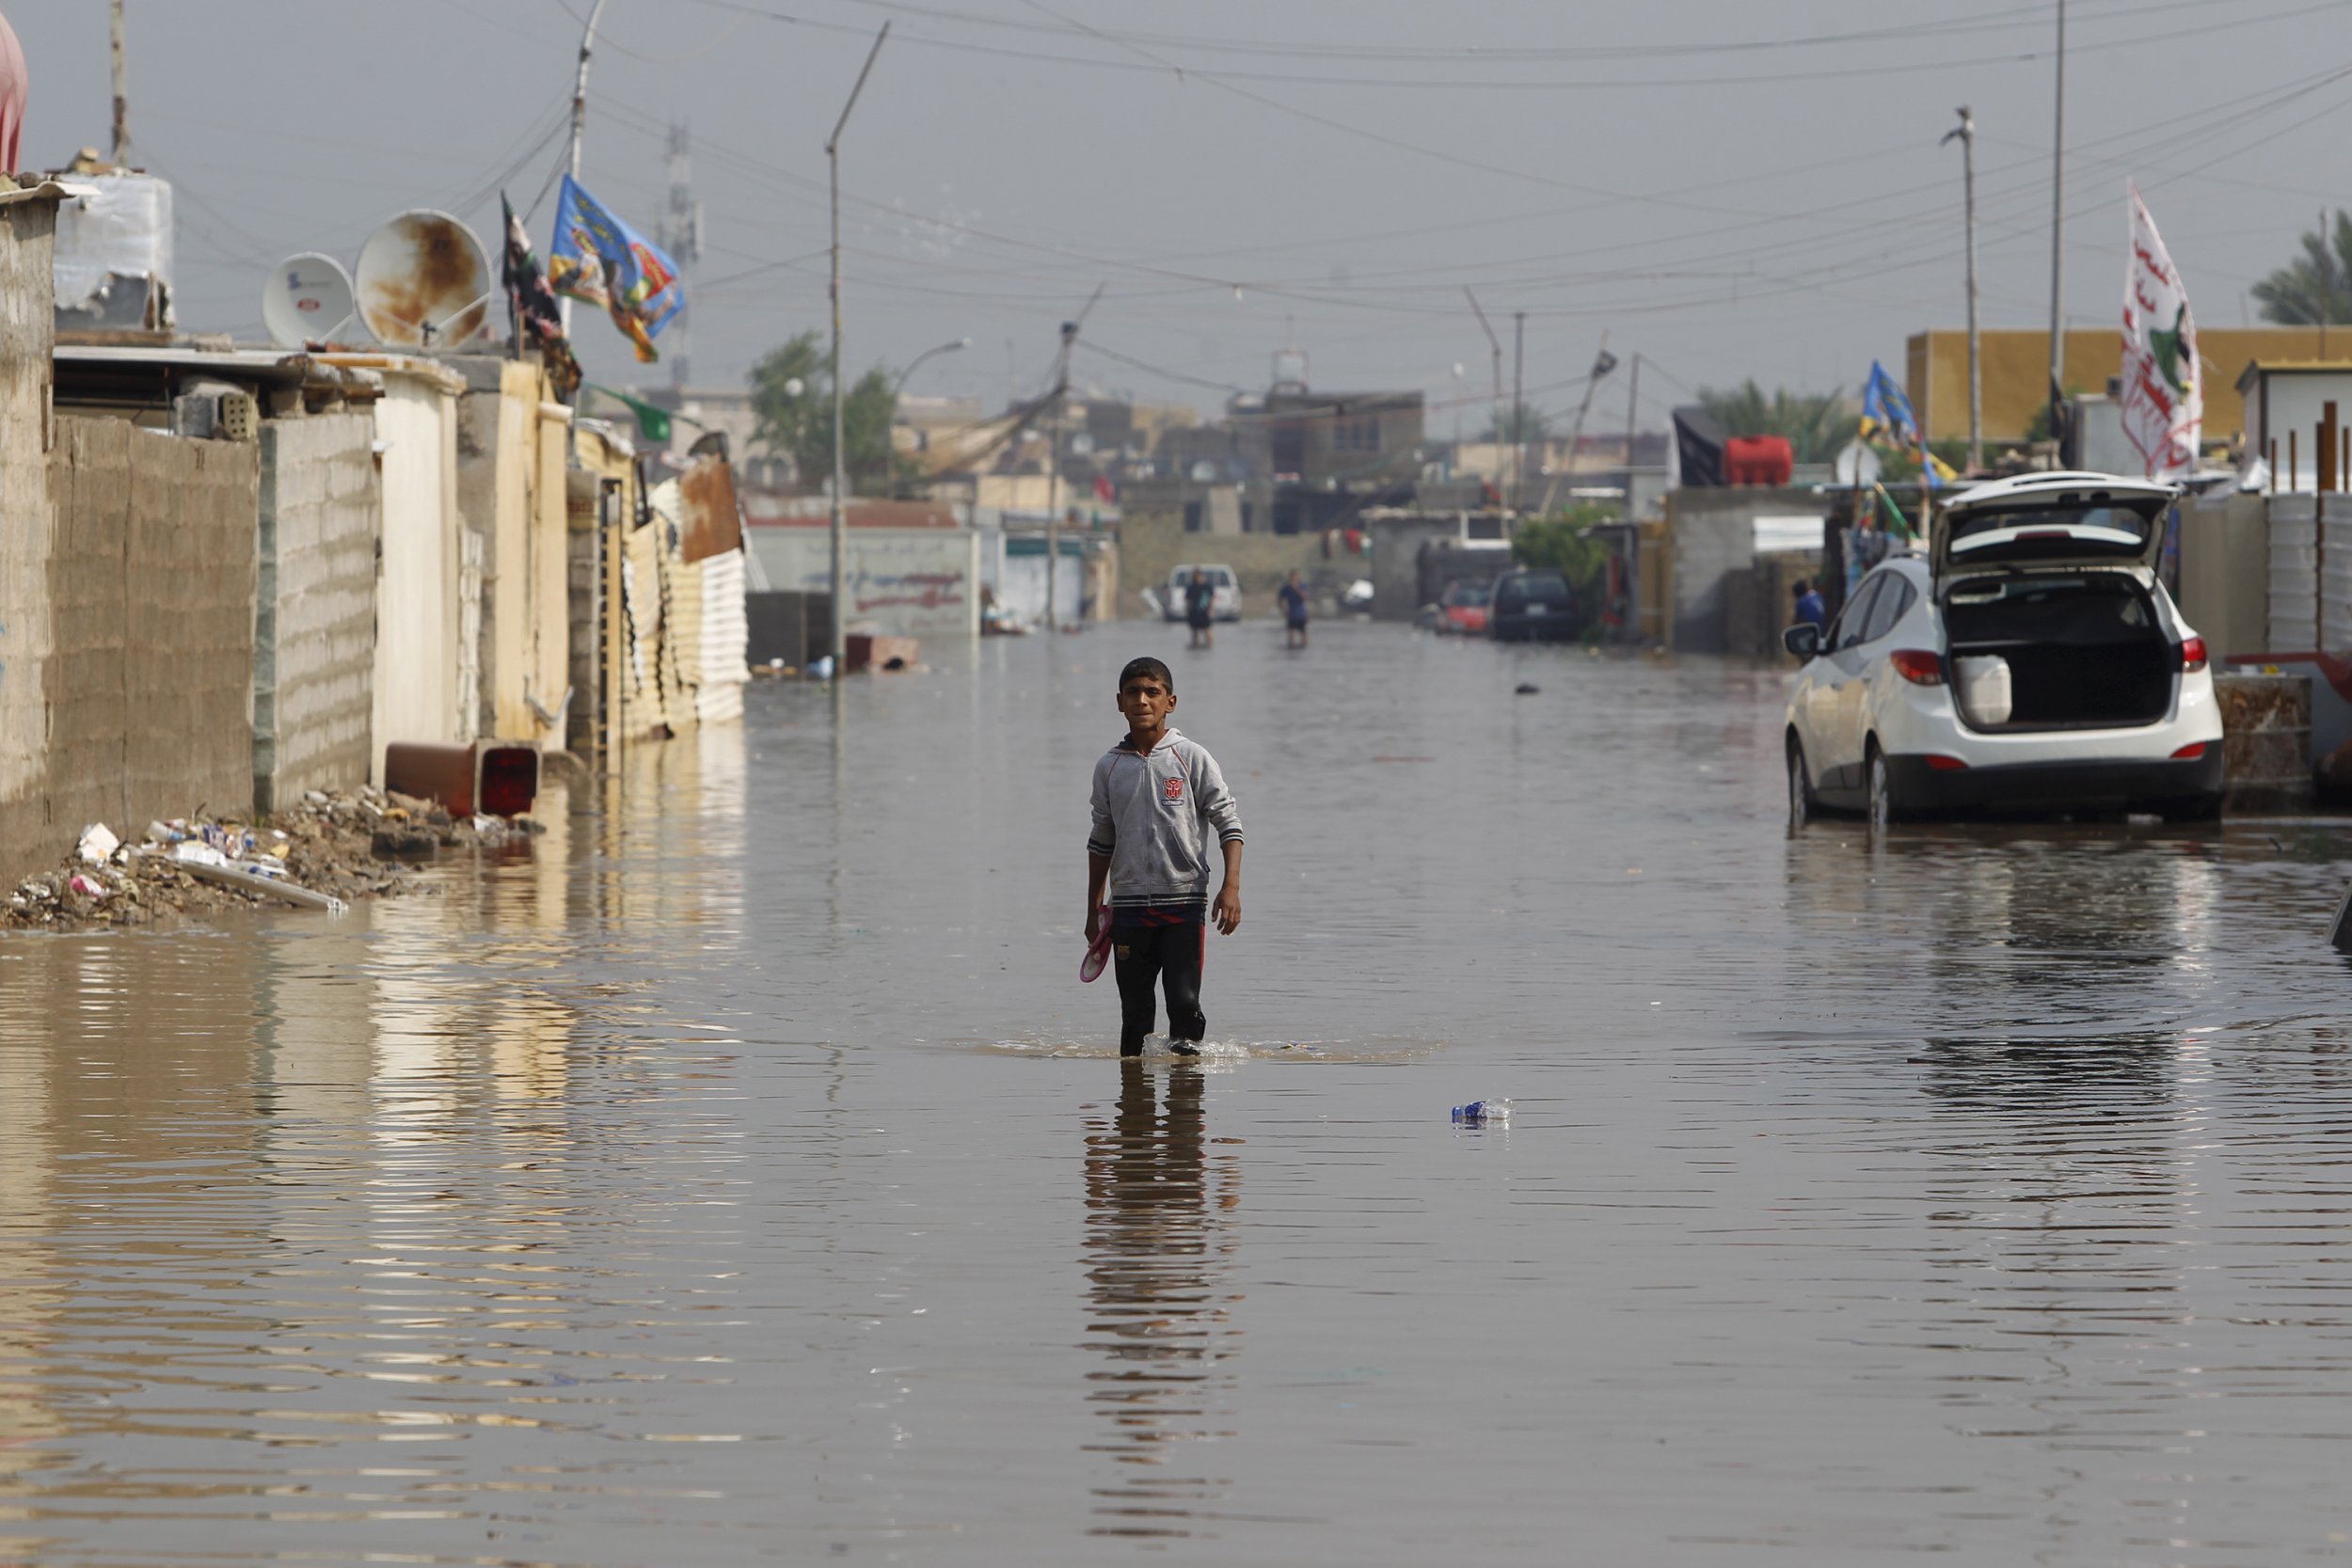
(27, 520)
(128, 659)
(314, 624)
(189, 581)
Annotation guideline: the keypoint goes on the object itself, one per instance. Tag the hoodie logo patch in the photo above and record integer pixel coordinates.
(1172, 788)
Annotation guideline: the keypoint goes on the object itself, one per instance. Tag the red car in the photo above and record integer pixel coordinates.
(1463, 608)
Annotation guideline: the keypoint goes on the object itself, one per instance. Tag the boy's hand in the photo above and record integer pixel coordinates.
(1228, 910)
(1094, 923)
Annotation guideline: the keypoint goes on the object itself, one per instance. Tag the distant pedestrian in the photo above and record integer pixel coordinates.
(1158, 798)
(1811, 611)
(1294, 599)
(1200, 609)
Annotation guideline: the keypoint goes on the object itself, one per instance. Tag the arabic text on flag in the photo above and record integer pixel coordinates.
(2164, 392)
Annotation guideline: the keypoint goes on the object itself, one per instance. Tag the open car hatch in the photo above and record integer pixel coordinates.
(2067, 520)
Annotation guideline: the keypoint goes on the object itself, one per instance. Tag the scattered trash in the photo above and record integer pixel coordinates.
(402, 840)
(318, 853)
(97, 845)
(203, 860)
(1526, 688)
(820, 669)
(1483, 1113)
(232, 841)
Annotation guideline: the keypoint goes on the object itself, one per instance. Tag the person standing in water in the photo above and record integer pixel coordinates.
(1158, 801)
(1294, 599)
(1200, 609)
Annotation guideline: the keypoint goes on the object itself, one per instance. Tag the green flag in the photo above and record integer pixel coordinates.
(652, 423)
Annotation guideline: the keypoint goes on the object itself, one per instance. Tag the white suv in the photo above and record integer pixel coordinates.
(2032, 659)
(1224, 594)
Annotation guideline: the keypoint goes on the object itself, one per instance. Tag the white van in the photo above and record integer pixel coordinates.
(1224, 599)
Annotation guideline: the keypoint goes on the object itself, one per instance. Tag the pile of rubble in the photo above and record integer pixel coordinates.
(324, 854)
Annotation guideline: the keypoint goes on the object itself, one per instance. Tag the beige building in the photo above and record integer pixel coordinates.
(2016, 372)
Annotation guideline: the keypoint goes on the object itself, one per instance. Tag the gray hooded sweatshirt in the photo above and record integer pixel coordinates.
(1155, 817)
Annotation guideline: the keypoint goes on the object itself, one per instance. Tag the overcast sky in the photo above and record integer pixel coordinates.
(1731, 190)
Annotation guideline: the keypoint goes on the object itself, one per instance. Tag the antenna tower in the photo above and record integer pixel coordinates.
(682, 237)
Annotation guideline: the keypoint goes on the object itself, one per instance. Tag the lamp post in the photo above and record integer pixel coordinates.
(899, 386)
(1965, 134)
(2058, 231)
(840, 463)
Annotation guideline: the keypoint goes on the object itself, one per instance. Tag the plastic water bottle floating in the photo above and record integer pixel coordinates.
(1483, 1113)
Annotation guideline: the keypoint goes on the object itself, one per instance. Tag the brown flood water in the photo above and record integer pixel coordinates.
(744, 1177)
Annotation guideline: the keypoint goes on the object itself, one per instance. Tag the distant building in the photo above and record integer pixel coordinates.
(1292, 435)
(2016, 372)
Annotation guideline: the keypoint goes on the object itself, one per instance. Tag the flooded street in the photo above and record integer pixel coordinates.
(744, 1175)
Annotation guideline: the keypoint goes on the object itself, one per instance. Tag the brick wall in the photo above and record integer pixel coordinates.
(314, 624)
(143, 578)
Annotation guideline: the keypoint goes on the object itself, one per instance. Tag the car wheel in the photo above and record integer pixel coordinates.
(1800, 788)
(1883, 811)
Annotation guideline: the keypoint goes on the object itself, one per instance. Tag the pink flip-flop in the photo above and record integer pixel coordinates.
(1099, 953)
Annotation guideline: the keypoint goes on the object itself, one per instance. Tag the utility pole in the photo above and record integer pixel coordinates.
(1632, 422)
(2057, 230)
(1519, 406)
(682, 237)
(122, 91)
(1965, 134)
(1053, 464)
(579, 126)
(1496, 344)
(840, 461)
(2326, 283)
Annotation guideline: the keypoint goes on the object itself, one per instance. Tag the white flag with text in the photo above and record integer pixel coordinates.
(2163, 387)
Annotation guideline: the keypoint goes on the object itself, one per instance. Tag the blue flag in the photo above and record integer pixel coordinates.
(600, 259)
(1888, 420)
(1886, 414)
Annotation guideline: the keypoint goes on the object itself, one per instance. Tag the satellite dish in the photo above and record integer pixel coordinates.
(308, 299)
(1857, 467)
(425, 282)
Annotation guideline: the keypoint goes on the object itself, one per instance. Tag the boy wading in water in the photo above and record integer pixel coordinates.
(1159, 800)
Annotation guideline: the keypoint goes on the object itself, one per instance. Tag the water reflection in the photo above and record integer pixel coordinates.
(1159, 1248)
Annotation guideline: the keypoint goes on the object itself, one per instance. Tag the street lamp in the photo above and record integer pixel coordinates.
(840, 479)
(899, 386)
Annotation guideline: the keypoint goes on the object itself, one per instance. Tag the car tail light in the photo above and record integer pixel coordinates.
(1917, 666)
(1944, 765)
(2192, 654)
(2191, 752)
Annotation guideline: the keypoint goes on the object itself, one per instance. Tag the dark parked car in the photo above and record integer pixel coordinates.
(1534, 606)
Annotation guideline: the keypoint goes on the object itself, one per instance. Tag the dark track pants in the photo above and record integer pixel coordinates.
(1171, 954)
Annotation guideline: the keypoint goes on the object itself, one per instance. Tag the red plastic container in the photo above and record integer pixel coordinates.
(442, 772)
(508, 781)
(497, 777)
(1758, 460)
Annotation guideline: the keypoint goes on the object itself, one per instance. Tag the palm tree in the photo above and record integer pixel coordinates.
(1815, 423)
(2314, 289)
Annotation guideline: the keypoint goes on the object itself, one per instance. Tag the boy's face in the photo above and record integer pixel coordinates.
(1146, 703)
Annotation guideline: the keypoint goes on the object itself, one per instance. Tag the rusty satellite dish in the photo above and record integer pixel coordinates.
(308, 299)
(425, 282)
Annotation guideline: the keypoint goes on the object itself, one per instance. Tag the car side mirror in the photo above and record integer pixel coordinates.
(1804, 641)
